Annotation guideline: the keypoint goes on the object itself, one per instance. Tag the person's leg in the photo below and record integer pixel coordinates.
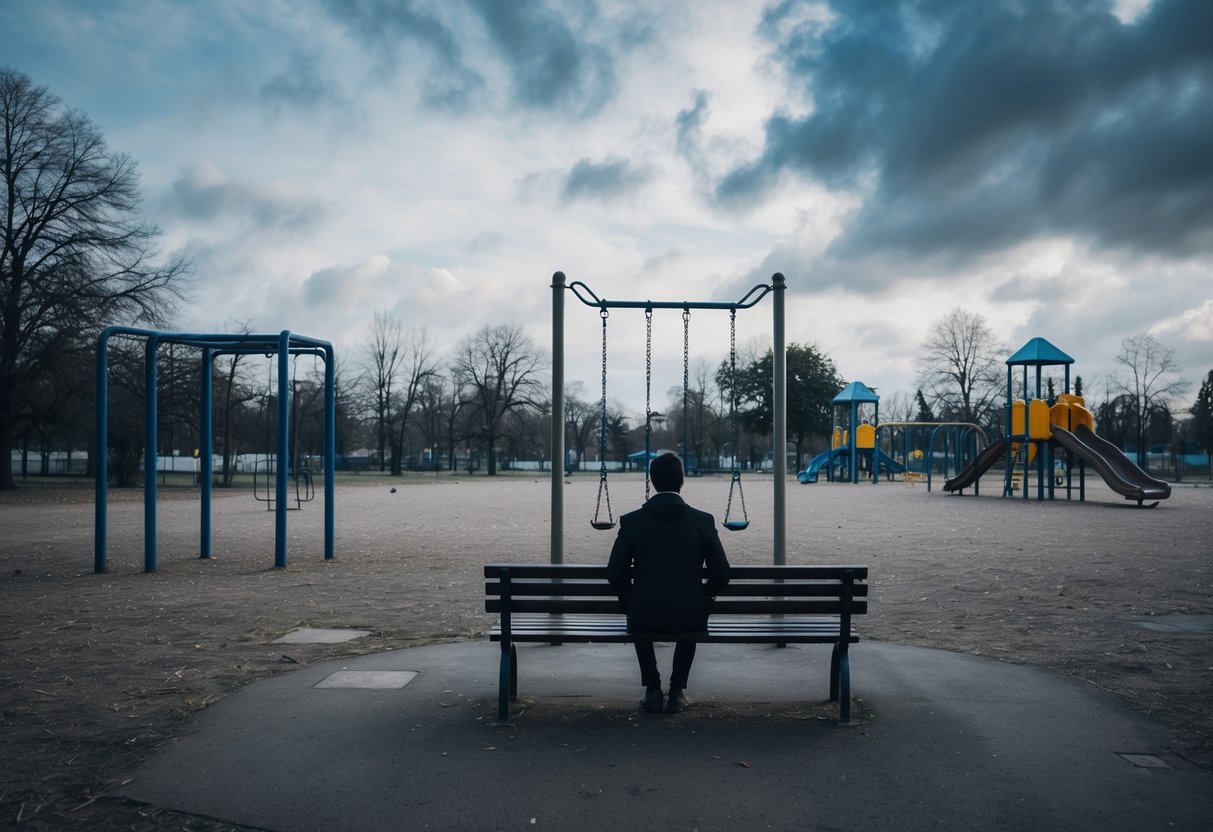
(650, 677)
(684, 655)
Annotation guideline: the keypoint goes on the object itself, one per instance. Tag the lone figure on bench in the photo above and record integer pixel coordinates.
(656, 566)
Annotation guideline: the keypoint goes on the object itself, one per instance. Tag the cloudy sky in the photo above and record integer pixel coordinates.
(1047, 164)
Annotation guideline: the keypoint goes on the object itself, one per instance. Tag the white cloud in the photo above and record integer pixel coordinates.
(326, 160)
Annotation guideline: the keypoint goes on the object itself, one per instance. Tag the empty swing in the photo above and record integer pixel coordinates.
(735, 481)
(598, 522)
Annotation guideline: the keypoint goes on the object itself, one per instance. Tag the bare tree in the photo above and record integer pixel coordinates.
(962, 367)
(499, 367)
(897, 407)
(381, 364)
(418, 364)
(234, 393)
(433, 406)
(1149, 380)
(583, 419)
(74, 256)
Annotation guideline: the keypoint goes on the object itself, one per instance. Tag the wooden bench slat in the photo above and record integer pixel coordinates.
(585, 571)
(569, 606)
(580, 589)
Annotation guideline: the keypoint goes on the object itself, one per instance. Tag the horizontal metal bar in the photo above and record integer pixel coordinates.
(252, 341)
(580, 290)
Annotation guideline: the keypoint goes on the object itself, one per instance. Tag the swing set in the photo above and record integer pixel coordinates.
(730, 521)
(264, 468)
(209, 345)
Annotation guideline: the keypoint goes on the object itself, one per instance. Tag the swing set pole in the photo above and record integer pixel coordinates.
(779, 371)
(557, 544)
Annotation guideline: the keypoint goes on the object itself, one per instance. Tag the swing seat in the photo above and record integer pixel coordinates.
(602, 525)
(735, 525)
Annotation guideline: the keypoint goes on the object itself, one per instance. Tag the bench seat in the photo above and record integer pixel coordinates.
(558, 603)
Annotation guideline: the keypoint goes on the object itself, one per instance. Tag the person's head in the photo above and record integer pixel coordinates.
(665, 472)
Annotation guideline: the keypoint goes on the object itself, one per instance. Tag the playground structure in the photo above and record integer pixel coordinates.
(925, 449)
(915, 449)
(212, 345)
(856, 413)
(1035, 430)
(583, 293)
(265, 466)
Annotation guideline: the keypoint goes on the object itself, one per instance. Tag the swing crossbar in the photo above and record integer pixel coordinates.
(751, 298)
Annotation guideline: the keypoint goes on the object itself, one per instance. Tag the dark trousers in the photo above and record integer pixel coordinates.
(650, 676)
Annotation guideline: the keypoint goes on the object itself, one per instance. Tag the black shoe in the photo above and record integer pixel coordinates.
(677, 702)
(652, 702)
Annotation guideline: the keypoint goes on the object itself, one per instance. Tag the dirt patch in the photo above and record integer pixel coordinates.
(98, 671)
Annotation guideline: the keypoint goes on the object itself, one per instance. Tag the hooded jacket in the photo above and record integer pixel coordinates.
(656, 566)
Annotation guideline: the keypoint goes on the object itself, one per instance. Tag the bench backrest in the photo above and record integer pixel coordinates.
(752, 590)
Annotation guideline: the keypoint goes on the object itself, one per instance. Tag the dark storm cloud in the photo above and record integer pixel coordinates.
(551, 67)
(550, 62)
(688, 132)
(302, 87)
(206, 196)
(383, 24)
(980, 125)
(603, 181)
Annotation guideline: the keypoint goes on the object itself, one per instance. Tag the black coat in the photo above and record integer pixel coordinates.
(656, 564)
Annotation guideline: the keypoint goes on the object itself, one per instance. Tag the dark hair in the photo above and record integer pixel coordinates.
(666, 472)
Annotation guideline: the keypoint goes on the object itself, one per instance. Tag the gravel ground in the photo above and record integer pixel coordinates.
(97, 671)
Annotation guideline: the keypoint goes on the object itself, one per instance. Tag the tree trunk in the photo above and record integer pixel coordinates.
(6, 442)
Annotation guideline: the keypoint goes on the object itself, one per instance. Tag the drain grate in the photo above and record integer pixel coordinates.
(1144, 760)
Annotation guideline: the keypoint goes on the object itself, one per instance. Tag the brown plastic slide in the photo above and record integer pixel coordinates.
(988, 456)
(1117, 470)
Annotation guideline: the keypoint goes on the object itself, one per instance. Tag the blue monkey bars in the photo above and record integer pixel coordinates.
(283, 344)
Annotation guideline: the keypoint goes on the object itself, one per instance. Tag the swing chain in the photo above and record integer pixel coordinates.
(602, 430)
(735, 480)
(733, 391)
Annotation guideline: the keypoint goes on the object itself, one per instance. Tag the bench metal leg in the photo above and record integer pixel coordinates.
(834, 674)
(513, 673)
(840, 681)
(507, 681)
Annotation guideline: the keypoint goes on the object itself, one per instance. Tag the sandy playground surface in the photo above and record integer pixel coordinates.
(97, 671)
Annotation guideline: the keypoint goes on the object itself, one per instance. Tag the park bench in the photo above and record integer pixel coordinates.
(778, 605)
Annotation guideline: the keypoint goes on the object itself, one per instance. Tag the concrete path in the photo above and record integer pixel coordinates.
(941, 741)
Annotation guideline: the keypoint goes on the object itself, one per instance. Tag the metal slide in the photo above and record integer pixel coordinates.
(1120, 473)
(989, 455)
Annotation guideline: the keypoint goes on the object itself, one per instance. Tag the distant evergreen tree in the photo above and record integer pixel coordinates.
(1202, 415)
(924, 410)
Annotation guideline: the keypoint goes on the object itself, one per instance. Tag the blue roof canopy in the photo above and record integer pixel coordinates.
(1038, 352)
(856, 391)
